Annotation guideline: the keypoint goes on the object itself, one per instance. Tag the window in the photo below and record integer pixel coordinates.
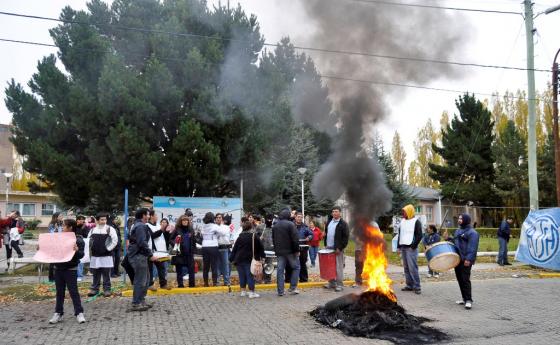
(13, 207)
(418, 209)
(28, 210)
(47, 209)
(429, 212)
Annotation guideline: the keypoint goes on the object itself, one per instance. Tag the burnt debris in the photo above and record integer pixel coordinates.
(374, 315)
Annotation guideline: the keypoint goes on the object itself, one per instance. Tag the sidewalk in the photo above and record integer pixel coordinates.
(28, 249)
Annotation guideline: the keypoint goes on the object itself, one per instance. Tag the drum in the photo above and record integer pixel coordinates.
(442, 256)
(327, 264)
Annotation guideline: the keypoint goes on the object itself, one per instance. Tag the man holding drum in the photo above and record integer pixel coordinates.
(409, 236)
(466, 240)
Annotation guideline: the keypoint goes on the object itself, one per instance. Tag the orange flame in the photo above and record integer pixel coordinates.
(375, 263)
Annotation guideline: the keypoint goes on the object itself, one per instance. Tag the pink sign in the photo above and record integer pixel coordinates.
(56, 247)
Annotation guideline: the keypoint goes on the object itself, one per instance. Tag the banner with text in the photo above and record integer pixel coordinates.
(539, 242)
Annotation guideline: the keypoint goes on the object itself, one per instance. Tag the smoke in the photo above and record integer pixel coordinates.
(378, 29)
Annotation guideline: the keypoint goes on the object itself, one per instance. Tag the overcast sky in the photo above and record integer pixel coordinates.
(496, 39)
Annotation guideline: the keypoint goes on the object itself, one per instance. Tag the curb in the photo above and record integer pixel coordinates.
(224, 289)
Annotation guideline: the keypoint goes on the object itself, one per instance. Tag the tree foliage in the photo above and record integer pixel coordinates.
(466, 148)
(398, 156)
(159, 113)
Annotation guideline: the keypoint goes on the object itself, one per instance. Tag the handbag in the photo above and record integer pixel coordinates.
(256, 265)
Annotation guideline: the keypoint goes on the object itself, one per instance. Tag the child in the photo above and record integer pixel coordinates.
(66, 274)
(430, 238)
(14, 240)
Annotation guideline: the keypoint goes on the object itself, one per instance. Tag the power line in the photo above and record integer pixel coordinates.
(314, 49)
(390, 3)
(330, 77)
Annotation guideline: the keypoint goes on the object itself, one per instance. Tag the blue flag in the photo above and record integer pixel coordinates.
(540, 241)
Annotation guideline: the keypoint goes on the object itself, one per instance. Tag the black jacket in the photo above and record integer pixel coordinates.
(341, 235)
(83, 231)
(76, 258)
(285, 235)
(187, 253)
(242, 252)
(138, 240)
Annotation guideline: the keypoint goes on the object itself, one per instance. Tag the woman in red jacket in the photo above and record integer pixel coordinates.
(314, 243)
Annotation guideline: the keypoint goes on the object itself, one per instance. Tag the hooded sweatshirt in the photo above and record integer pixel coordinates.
(466, 239)
(410, 229)
(285, 235)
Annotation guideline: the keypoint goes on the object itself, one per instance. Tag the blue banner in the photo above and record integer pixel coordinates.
(540, 241)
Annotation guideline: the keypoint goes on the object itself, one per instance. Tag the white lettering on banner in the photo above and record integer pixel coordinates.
(542, 238)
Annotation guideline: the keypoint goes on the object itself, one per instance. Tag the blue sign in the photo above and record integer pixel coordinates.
(540, 239)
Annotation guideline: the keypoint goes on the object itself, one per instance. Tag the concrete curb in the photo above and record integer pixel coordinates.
(224, 289)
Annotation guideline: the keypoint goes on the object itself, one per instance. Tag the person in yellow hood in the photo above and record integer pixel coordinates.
(409, 236)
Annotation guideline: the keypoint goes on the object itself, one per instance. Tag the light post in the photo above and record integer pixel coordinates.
(302, 172)
(7, 175)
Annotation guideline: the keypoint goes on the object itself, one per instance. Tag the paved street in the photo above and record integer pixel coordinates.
(506, 311)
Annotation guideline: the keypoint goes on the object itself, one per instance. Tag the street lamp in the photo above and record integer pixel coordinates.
(555, 128)
(7, 175)
(302, 172)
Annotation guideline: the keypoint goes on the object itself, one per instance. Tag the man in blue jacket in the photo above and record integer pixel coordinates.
(305, 235)
(504, 232)
(466, 241)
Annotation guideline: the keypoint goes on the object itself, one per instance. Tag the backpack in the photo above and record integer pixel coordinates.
(21, 226)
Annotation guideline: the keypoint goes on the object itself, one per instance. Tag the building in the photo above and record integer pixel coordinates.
(39, 206)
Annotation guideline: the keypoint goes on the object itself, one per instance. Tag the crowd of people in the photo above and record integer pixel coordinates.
(286, 237)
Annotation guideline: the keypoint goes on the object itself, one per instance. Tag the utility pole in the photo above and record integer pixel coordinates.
(555, 117)
(532, 135)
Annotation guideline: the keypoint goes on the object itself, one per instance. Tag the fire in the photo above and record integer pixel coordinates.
(375, 263)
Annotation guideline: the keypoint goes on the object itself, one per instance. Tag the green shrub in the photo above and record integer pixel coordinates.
(32, 224)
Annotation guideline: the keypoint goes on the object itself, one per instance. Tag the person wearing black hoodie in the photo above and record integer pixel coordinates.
(466, 240)
(286, 246)
(65, 276)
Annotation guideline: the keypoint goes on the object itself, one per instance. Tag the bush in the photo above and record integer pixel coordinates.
(32, 224)
(490, 232)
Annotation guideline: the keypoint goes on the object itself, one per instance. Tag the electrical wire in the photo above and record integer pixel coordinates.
(330, 77)
(390, 3)
(314, 49)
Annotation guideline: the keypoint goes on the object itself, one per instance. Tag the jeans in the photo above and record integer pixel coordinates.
(502, 253)
(303, 275)
(339, 281)
(463, 275)
(156, 268)
(245, 276)
(184, 269)
(291, 260)
(359, 263)
(67, 279)
(313, 254)
(80, 270)
(97, 273)
(223, 265)
(410, 264)
(15, 246)
(210, 261)
(141, 278)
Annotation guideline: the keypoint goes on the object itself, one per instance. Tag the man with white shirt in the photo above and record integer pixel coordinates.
(336, 237)
(103, 239)
(158, 244)
(409, 236)
(224, 246)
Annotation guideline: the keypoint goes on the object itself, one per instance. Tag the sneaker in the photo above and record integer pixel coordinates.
(80, 279)
(80, 317)
(138, 307)
(507, 263)
(407, 288)
(436, 275)
(243, 293)
(147, 305)
(56, 318)
(92, 293)
(418, 291)
(20, 256)
(460, 302)
(294, 291)
(338, 288)
(468, 305)
(152, 288)
(328, 286)
(429, 275)
(107, 293)
(254, 295)
(280, 294)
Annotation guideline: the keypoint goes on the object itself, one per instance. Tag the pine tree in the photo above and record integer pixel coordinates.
(398, 156)
(468, 170)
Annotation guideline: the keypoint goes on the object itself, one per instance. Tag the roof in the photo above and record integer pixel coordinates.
(423, 193)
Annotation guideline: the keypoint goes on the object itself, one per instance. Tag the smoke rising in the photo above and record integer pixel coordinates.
(380, 29)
